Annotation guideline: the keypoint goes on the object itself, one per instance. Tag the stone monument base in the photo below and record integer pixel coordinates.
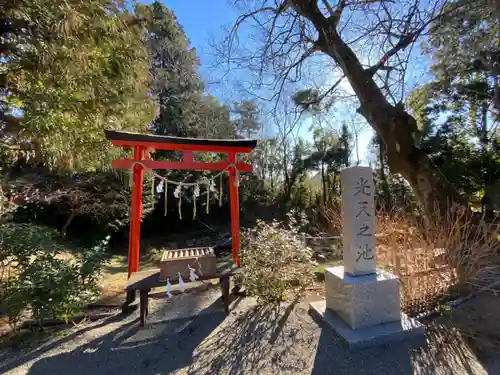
(365, 310)
(363, 301)
(404, 329)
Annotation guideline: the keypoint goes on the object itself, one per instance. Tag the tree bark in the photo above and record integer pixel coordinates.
(396, 127)
(383, 177)
(323, 180)
(487, 202)
(356, 145)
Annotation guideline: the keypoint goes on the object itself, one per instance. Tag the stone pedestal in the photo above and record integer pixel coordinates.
(363, 301)
(365, 310)
(381, 334)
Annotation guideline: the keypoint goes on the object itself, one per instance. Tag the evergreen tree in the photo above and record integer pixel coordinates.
(346, 145)
(69, 70)
(454, 112)
(184, 110)
(174, 69)
(248, 122)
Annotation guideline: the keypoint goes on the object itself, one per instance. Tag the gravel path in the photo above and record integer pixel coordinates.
(249, 341)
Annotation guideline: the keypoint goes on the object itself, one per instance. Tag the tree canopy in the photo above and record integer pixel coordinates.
(69, 70)
(349, 34)
(70, 73)
(184, 108)
(457, 111)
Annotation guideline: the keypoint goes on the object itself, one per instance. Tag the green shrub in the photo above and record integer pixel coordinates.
(276, 264)
(38, 280)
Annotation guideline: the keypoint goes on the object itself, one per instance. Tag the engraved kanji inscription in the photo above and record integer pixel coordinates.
(364, 230)
(365, 252)
(362, 209)
(362, 187)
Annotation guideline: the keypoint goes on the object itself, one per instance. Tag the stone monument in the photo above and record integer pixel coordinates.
(362, 303)
(358, 220)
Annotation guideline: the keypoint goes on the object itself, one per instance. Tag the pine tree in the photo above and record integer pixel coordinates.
(184, 109)
(248, 122)
(174, 69)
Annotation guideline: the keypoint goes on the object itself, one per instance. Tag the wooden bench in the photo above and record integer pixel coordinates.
(144, 281)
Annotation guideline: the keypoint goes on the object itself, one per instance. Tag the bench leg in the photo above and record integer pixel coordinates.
(224, 285)
(144, 308)
(128, 305)
(130, 297)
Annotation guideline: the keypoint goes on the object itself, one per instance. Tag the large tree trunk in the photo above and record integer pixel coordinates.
(383, 177)
(396, 127)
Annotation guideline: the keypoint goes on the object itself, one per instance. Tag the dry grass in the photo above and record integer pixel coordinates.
(435, 257)
(438, 258)
(115, 275)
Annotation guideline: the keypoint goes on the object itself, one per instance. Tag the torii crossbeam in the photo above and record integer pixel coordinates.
(141, 143)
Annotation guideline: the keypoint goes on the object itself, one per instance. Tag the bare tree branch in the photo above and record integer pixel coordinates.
(404, 42)
(407, 37)
(335, 15)
(374, 26)
(329, 7)
(243, 18)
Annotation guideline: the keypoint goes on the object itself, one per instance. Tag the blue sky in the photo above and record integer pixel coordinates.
(203, 20)
(200, 18)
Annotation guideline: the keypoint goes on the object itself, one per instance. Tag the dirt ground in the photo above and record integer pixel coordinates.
(477, 320)
(114, 279)
(189, 334)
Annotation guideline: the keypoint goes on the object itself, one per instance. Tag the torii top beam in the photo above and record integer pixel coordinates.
(164, 142)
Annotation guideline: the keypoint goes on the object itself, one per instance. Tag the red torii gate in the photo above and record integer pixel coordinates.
(141, 143)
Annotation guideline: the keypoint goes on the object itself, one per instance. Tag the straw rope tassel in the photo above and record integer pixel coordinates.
(220, 190)
(180, 206)
(196, 194)
(165, 207)
(153, 193)
(237, 177)
(208, 197)
(211, 187)
(194, 206)
(131, 178)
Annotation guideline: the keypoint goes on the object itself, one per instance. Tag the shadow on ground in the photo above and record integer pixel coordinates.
(265, 341)
(477, 320)
(449, 352)
(251, 344)
(444, 354)
(252, 340)
(163, 347)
